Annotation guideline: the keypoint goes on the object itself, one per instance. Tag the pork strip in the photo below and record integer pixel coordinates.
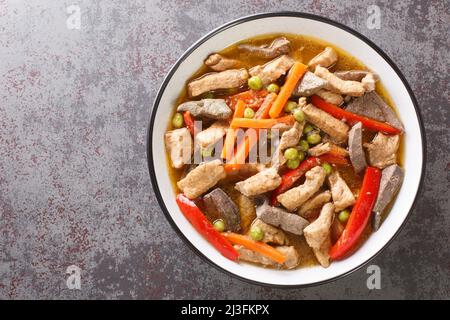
(337, 129)
(202, 178)
(295, 197)
(266, 180)
(228, 79)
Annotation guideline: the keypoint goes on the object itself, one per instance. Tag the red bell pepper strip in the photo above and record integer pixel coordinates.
(252, 98)
(334, 158)
(360, 214)
(189, 122)
(205, 227)
(291, 176)
(353, 118)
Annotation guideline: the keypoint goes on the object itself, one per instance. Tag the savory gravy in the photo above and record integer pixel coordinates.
(303, 48)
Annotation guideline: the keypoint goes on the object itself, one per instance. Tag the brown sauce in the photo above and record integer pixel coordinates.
(303, 48)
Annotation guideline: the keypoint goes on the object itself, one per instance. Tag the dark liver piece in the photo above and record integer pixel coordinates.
(391, 180)
(355, 148)
(280, 218)
(373, 106)
(220, 206)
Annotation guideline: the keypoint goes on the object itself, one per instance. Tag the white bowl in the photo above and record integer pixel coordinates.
(341, 36)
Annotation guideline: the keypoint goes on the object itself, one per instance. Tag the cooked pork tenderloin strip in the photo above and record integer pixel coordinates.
(248, 169)
(369, 82)
(335, 84)
(266, 180)
(341, 193)
(288, 139)
(228, 79)
(330, 97)
(292, 257)
(180, 147)
(202, 178)
(281, 127)
(211, 135)
(302, 102)
(317, 234)
(352, 75)
(382, 151)
(337, 129)
(280, 218)
(278, 47)
(326, 147)
(355, 148)
(315, 202)
(309, 84)
(218, 62)
(209, 108)
(272, 70)
(391, 181)
(295, 197)
(271, 234)
(326, 58)
(220, 206)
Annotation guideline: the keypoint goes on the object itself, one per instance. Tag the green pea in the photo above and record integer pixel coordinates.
(304, 145)
(343, 216)
(177, 120)
(314, 138)
(208, 95)
(255, 83)
(249, 113)
(328, 168)
(256, 233)
(293, 164)
(273, 87)
(299, 115)
(219, 225)
(291, 153)
(308, 128)
(301, 156)
(290, 106)
(207, 152)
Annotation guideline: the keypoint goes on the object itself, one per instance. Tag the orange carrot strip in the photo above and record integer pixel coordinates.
(296, 72)
(228, 144)
(260, 247)
(244, 148)
(263, 111)
(260, 123)
(239, 110)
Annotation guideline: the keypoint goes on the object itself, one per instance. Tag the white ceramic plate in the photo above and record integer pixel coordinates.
(339, 35)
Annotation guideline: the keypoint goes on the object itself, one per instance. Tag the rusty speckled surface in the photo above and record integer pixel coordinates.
(74, 185)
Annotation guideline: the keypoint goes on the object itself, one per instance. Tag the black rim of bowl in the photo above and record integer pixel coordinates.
(228, 25)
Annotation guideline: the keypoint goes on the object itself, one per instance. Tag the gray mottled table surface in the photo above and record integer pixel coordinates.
(74, 185)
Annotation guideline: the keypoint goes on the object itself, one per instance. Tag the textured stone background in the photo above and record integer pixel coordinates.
(74, 185)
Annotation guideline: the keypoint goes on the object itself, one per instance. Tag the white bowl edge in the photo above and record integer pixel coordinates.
(413, 144)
